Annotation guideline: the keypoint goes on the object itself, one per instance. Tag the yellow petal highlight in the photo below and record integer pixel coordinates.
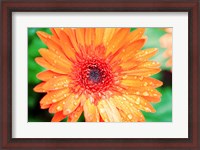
(80, 36)
(107, 107)
(131, 112)
(89, 36)
(90, 112)
(99, 34)
(140, 103)
(108, 34)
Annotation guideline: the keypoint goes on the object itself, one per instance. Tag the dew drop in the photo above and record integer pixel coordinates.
(125, 76)
(106, 120)
(145, 83)
(137, 93)
(67, 111)
(141, 78)
(130, 116)
(137, 101)
(102, 110)
(147, 109)
(75, 103)
(59, 108)
(146, 94)
(54, 100)
(65, 85)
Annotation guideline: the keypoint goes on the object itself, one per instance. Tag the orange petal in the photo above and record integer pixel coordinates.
(149, 64)
(169, 62)
(123, 116)
(44, 106)
(89, 36)
(132, 113)
(46, 75)
(152, 99)
(145, 91)
(39, 88)
(127, 53)
(57, 49)
(135, 35)
(56, 107)
(117, 40)
(56, 83)
(145, 54)
(90, 112)
(146, 72)
(70, 33)
(58, 117)
(46, 65)
(108, 34)
(51, 42)
(80, 36)
(55, 61)
(71, 103)
(43, 36)
(67, 46)
(103, 113)
(53, 31)
(75, 115)
(140, 103)
(99, 33)
(109, 108)
(54, 96)
(56, 32)
(138, 81)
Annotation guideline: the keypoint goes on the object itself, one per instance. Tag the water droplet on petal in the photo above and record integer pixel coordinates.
(137, 101)
(54, 100)
(59, 108)
(130, 116)
(146, 94)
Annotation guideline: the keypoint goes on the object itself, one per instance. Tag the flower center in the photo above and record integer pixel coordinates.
(93, 75)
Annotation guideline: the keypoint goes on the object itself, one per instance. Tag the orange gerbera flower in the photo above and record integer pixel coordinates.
(99, 71)
(166, 42)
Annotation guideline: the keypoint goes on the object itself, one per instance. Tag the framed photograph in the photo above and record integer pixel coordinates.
(104, 74)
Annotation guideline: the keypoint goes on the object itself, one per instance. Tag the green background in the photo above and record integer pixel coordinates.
(163, 108)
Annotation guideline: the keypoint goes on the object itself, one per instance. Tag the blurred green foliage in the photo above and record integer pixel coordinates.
(163, 108)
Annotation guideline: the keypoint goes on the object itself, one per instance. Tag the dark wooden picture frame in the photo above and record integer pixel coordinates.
(10, 6)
